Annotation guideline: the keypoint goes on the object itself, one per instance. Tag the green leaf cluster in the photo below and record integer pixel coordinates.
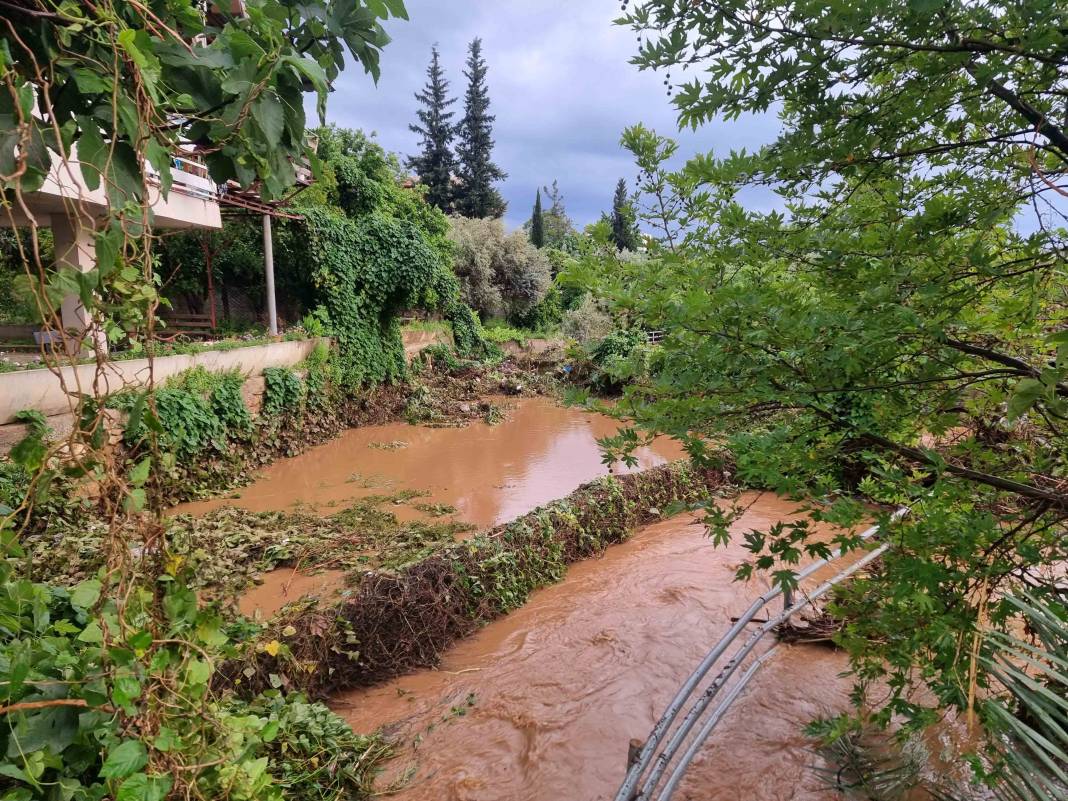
(894, 329)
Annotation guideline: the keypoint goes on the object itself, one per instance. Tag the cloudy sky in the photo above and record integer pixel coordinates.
(560, 85)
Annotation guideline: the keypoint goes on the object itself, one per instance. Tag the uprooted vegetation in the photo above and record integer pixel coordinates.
(216, 445)
(393, 620)
(230, 547)
(414, 587)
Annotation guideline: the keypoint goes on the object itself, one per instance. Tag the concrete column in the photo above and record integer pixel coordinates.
(76, 248)
(268, 267)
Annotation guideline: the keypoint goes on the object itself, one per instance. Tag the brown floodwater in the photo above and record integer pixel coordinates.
(285, 585)
(551, 695)
(490, 474)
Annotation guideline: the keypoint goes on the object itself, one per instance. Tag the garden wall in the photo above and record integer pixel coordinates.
(48, 392)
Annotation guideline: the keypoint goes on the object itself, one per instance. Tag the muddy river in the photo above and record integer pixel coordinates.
(542, 704)
(490, 474)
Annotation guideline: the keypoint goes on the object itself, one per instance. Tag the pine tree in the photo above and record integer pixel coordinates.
(624, 223)
(537, 224)
(435, 164)
(476, 195)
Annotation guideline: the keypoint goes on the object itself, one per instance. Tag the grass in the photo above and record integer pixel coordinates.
(428, 326)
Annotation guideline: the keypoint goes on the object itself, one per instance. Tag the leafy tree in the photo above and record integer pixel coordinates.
(537, 224)
(502, 275)
(435, 164)
(624, 221)
(559, 230)
(897, 334)
(476, 196)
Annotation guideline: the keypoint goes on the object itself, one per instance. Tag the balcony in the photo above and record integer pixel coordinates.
(191, 203)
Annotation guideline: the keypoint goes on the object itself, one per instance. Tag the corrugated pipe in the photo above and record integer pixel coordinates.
(644, 759)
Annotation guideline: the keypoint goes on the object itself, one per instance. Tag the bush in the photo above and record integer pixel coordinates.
(586, 322)
(545, 316)
(14, 481)
(105, 699)
(283, 391)
(501, 275)
(315, 755)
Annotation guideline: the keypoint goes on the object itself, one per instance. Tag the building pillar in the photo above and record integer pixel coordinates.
(76, 248)
(268, 267)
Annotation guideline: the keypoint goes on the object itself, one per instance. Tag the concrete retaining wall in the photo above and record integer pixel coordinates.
(48, 393)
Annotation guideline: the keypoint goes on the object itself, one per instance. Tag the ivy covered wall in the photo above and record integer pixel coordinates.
(368, 248)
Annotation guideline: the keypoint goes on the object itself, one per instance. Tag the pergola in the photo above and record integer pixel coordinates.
(237, 202)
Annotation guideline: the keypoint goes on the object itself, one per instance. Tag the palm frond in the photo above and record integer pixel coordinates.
(1029, 722)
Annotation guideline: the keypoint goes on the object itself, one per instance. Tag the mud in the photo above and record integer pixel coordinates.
(282, 586)
(542, 704)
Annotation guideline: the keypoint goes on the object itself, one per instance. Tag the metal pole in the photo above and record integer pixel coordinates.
(721, 679)
(268, 268)
(211, 280)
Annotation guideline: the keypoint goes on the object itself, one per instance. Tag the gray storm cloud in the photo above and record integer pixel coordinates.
(561, 88)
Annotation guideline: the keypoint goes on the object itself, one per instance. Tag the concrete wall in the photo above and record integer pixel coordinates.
(48, 393)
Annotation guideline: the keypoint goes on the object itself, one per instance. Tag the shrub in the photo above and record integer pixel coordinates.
(105, 698)
(546, 315)
(617, 358)
(586, 322)
(501, 275)
(283, 391)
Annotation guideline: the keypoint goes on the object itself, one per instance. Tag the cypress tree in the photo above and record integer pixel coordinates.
(624, 225)
(435, 164)
(537, 224)
(477, 196)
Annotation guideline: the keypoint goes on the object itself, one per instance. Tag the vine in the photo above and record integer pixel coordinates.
(108, 685)
(283, 394)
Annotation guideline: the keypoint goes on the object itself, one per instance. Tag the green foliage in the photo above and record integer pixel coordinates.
(316, 323)
(896, 333)
(501, 275)
(367, 271)
(283, 392)
(189, 422)
(314, 754)
(107, 690)
(614, 361)
(436, 163)
(439, 356)
(546, 315)
(14, 483)
(16, 303)
(560, 231)
(236, 254)
(323, 376)
(476, 196)
(229, 404)
(537, 224)
(1030, 715)
(587, 322)
(72, 684)
(500, 333)
(238, 88)
(625, 233)
(193, 412)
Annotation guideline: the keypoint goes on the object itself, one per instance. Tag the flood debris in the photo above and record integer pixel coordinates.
(231, 547)
(399, 618)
